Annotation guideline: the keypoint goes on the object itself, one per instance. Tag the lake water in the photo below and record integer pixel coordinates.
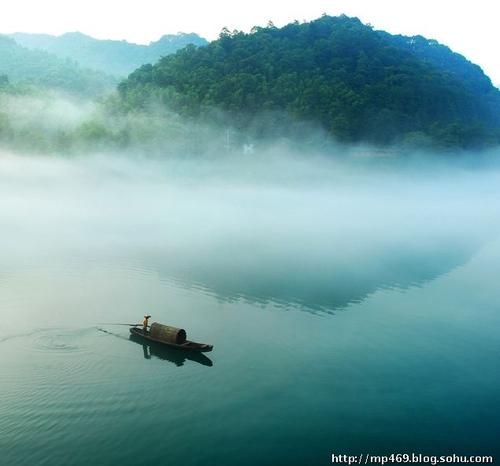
(352, 308)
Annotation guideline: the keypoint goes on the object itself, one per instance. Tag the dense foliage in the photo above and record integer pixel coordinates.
(21, 65)
(35, 120)
(118, 58)
(358, 83)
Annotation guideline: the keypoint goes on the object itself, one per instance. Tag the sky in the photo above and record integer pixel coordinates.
(470, 28)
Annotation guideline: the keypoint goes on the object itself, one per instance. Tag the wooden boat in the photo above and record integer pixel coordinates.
(152, 349)
(170, 336)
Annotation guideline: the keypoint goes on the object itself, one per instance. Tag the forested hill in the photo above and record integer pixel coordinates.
(118, 58)
(358, 83)
(43, 70)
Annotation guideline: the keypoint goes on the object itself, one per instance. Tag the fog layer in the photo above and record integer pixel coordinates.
(309, 232)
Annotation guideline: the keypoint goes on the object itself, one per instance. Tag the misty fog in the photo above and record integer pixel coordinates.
(302, 222)
(311, 230)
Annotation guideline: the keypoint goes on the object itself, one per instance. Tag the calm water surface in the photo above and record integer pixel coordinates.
(352, 311)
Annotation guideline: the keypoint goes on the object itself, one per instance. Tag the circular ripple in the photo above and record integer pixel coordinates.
(55, 343)
(59, 340)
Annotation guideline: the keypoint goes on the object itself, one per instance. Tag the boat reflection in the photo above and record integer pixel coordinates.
(178, 357)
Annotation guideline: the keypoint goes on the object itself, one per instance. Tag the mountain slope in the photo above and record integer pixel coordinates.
(118, 58)
(358, 83)
(42, 69)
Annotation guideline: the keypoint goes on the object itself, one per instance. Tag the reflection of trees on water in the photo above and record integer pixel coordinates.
(323, 285)
(176, 356)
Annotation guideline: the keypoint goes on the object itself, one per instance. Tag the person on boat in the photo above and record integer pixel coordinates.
(145, 324)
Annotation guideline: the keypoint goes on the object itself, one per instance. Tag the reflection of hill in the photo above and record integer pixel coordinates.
(324, 284)
(178, 357)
